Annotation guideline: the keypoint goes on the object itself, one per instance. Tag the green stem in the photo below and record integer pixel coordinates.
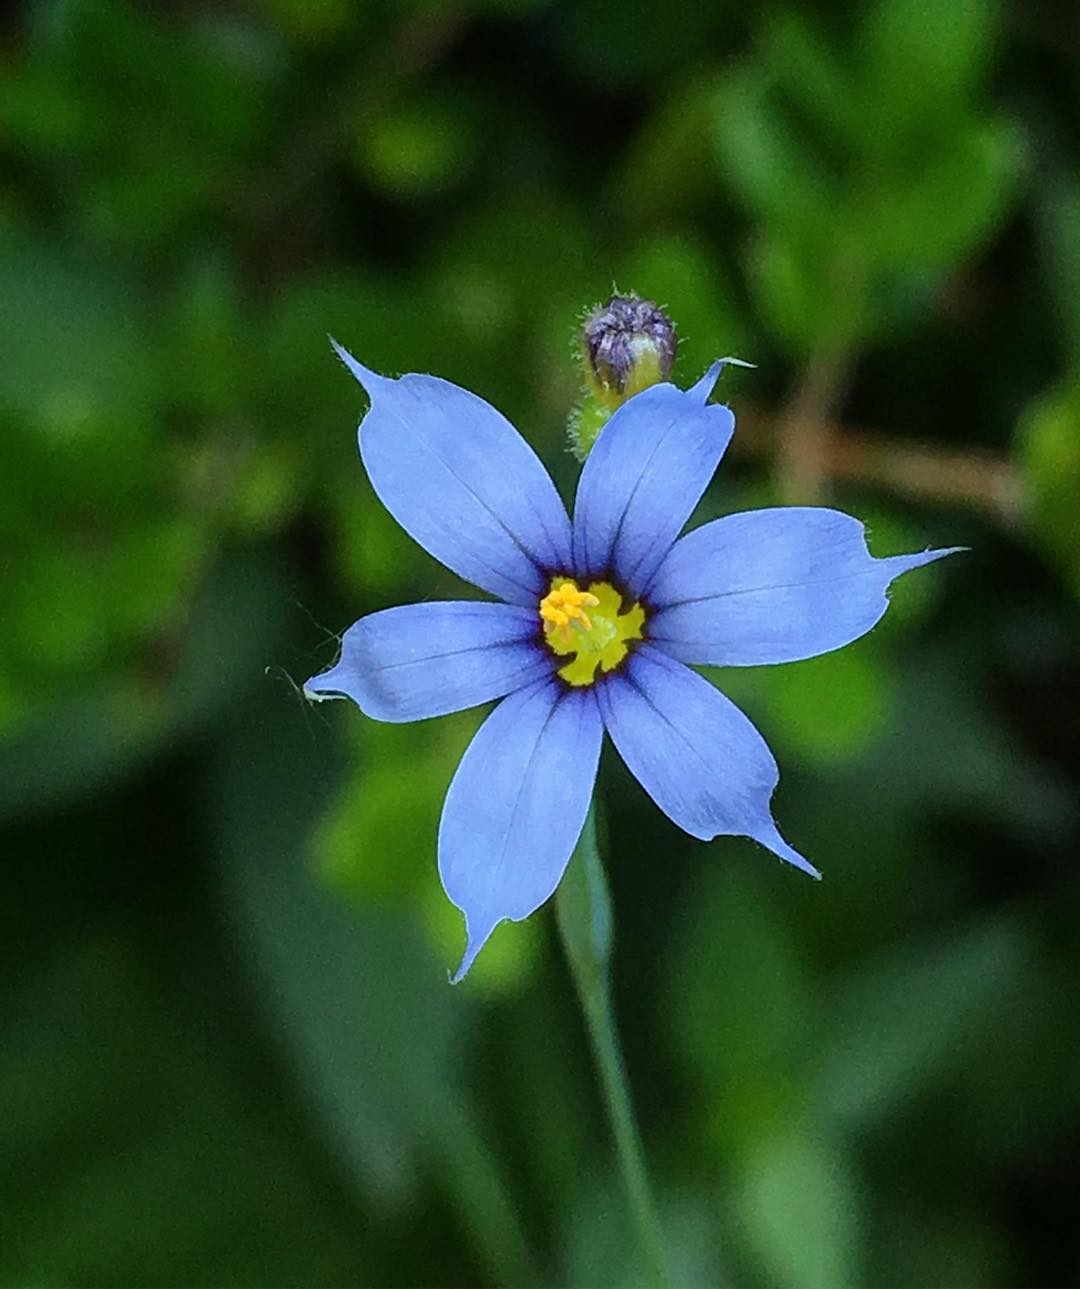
(583, 910)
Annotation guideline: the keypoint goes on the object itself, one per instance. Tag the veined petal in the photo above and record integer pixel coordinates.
(693, 751)
(643, 477)
(421, 660)
(459, 479)
(772, 585)
(516, 807)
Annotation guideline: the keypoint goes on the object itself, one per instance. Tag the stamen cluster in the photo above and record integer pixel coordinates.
(565, 604)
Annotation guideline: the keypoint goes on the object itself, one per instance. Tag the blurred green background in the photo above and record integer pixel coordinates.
(230, 1055)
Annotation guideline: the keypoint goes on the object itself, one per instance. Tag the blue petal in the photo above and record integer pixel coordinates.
(693, 751)
(516, 807)
(459, 479)
(423, 660)
(771, 586)
(643, 477)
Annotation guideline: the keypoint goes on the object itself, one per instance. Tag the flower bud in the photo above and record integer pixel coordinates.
(629, 344)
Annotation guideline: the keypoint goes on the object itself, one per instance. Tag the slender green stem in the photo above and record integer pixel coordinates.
(583, 909)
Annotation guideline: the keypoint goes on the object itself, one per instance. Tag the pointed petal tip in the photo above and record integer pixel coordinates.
(368, 379)
(942, 551)
(769, 836)
(704, 387)
(905, 563)
(793, 857)
(474, 942)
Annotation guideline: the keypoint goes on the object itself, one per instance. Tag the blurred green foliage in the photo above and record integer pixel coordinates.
(231, 1056)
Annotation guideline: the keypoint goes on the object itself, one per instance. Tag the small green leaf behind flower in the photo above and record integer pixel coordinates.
(868, 165)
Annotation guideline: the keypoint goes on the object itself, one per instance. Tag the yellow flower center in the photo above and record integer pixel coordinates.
(588, 627)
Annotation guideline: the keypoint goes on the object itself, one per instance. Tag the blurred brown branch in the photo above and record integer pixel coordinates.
(973, 478)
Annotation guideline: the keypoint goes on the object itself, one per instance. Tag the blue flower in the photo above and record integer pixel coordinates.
(595, 625)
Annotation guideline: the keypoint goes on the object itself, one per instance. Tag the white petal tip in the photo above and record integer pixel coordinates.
(731, 361)
(322, 688)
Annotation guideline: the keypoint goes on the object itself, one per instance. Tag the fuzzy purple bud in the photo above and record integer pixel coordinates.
(630, 344)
